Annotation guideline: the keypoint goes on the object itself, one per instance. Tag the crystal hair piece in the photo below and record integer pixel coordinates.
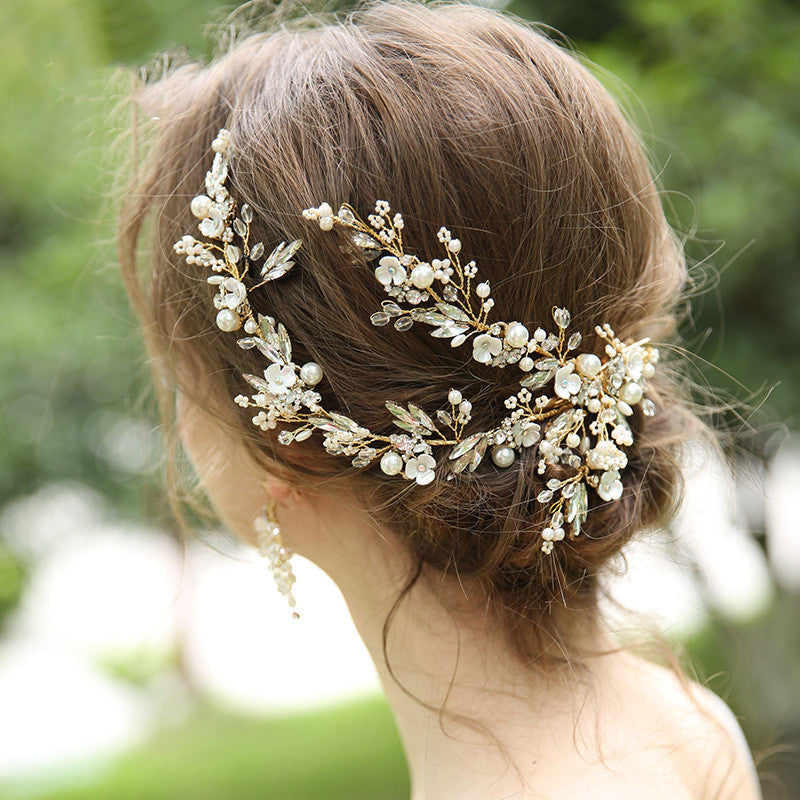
(571, 406)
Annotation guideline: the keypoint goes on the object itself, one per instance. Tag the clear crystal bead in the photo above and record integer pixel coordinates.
(346, 215)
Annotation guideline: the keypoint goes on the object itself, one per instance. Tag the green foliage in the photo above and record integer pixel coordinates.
(13, 577)
(350, 752)
(718, 80)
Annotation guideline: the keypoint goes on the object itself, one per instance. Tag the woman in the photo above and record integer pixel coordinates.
(466, 458)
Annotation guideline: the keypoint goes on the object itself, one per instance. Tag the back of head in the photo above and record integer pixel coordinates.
(459, 116)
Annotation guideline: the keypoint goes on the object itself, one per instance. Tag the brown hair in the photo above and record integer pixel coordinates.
(458, 116)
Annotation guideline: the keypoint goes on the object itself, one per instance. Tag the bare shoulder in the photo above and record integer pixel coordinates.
(698, 730)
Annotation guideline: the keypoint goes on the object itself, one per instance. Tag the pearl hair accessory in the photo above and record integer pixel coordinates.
(581, 423)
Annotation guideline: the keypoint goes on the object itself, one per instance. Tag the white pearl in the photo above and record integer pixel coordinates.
(624, 408)
(228, 320)
(648, 370)
(526, 364)
(454, 397)
(503, 456)
(422, 276)
(311, 373)
(631, 393)
(391, 463)
(454, 245)
(201, 206)
(517, 335)
(573, 440)
(326, 223)
(593, 405)
(325, 210)
(588, 364)
(482, 290)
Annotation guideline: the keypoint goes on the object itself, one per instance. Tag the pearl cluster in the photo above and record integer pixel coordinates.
(581, 422)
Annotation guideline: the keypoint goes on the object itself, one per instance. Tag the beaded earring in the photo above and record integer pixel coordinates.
(272, 547)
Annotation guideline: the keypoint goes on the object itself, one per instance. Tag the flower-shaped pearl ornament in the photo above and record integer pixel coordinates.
(567, 382)
(280, 378)
(485, 347)
(421, 469)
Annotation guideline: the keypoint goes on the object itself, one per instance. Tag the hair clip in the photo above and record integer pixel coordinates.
(580, 422)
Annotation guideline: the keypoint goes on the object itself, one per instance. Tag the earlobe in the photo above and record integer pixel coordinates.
(283, 494)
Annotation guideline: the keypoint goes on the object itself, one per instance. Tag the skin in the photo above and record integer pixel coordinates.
(629, 730)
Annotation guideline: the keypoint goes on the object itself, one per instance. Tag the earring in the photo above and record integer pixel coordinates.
(271, 546)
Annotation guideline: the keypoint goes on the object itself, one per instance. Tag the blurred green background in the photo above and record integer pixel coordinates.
(718, 100)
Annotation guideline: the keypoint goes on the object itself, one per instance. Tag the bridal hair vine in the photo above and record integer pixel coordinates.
(580, 422)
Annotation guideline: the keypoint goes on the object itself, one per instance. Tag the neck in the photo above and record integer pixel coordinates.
(452, 653)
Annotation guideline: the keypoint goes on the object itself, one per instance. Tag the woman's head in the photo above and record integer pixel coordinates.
(458, 116)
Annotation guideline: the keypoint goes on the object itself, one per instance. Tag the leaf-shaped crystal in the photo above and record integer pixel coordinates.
(346, 423)
(466, 445)
(240, 227)
(248, 343)
(284, 342)
(428, 317)
(462, 462)
(421, 417)
(270, 351)
(277, 271)
(325, 424)
(365, 241)
(547, 363)
(256, 382)
(478, 453)
(404, 420)
(379, 318)
(449, 330)
(536, 379)
(279, 261)
(577, 508)
(257, 251)
(561, 424)
(454, 312)
(266, 325)
(247, 213)
(403, 323)
(574, 340)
